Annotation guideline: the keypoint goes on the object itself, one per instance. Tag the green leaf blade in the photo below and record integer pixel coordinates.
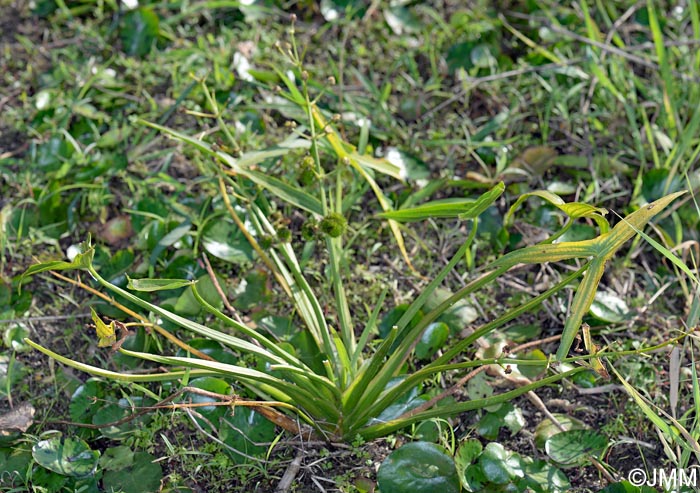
(150, 284)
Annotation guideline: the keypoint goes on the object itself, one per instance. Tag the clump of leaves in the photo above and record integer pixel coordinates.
(424, 467)
(351, 392)
(68, 463)
(337, 387)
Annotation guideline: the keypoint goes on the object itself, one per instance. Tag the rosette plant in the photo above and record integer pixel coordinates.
(353, 391)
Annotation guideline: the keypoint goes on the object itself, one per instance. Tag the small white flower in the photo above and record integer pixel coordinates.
(42, 100)
(394, 157)
(72, 252)
(242, 65)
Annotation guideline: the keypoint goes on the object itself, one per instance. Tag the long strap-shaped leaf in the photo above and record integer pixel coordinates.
(383, 429)
(607, 245)
(304, 299)
(599, 249)
(462, 208)
(574, 210)
(627, 227)
(278, 389)
(121, 377)
(304, 377)
(380, 401)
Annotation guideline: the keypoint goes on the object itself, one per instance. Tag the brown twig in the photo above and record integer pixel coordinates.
(217, 286)
(204, 432)
(256, 246)
(292, 470)
(265, 408)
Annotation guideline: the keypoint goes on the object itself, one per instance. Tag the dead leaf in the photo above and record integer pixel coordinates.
(19, 419)
(116, 230)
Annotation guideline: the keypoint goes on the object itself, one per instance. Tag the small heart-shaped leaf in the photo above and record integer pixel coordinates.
(419, 467)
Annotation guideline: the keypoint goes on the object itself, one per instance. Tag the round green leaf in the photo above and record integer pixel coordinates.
(481, 56)
(523, 332)
(5, 295)
(393, 316)
(546, 428)
(419, 467)
(188, 305)
(14, 338)
(541, 476)
(116, 458)
(209, 384)
(252, 291)
(574, 447)
(52, 154)
(489, 425)
(459, 56)
(136, 341)
(506, 415)
(45, 480)
(139, 31)
(69, 457)
(532, 372)
(428, 431)
(116, 411)
(655, 184)
(117, 265)
(432, 339)
(473, 478)
(83, 401)
(224, 240)
(11, 372)
(586, 379)
(411, 166)
(479, 387)
(142, 476)
(15, 464)
(494, 464)
(401, 19)
(467, 453)
(458, 316)
(281, 327)
(609, 307)
(244, 429)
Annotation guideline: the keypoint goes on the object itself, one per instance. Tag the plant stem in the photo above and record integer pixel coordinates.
(132, 313)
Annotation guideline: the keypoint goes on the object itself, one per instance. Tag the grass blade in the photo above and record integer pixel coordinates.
(574, 210)
(630, 225)
(383, 429)
(462, 208)
(276, 388)
(580, 305)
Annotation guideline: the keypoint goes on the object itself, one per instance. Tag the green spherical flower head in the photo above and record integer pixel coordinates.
(284, 235)
(307, 176)
(265, 242)
(308, 229)
(334, 224)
